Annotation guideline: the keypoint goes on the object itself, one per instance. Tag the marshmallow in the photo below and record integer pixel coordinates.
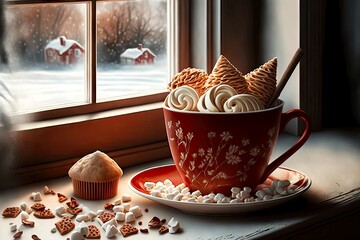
(218, 197)
(111, 222)
(268, 190)
(174, 225)
(155, 193)
(126, 198)
(279, 189)
(178, 197)
(46, 190)
(25, 208)
(199, 199)
(184, 190)
(267, 197)
(247, 189)
(182, 193)
(169, 189)
(120, 216)
(159, 183)
(129, 217)
(181, 186)
(244, 194)
(168, 182)
(82, 218)
(275, 183)
(136, 210)
(126, 207)
(260, 194)
(235, 190)
(118, 209)
(82, 228)
(60, 211)
(76, 236)
(36, 196)
(149, 185)
(111, 231)
(117, 202)
(284, 183)
(84, 208)
(99, 221)
(24, 215)
(13, 227)
(92, 215)
(170, 196)
(235, 200)
(196, 193)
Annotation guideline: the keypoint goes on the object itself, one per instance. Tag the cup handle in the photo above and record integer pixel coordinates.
(285, 118)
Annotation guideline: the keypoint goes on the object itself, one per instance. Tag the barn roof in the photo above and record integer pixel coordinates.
(56, 44)
(134, 53)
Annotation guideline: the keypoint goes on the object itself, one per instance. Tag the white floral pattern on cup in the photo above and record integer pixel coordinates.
(207, 158)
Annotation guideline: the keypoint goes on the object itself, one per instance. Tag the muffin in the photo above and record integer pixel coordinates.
(95, 176)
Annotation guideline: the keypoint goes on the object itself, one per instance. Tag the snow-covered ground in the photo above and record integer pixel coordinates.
(36, 89)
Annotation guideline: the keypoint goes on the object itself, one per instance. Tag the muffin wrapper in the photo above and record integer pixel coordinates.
(95, 190)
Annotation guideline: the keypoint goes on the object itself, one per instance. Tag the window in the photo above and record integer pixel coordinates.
(86, 40)
(77, 52)
(129, 127)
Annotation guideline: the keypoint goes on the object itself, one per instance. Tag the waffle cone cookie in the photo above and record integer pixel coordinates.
(262, 81)
(192, 77)
(226, 73)
(95, 176)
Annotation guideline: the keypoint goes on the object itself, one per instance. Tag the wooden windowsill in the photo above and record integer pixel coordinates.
(44, 149)
(328, 210)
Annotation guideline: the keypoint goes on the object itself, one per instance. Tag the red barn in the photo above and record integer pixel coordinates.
(63, 51)
(138, 55)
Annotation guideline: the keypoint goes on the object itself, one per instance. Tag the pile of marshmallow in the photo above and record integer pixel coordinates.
(167, 190)
(226, 89)
(124, 213)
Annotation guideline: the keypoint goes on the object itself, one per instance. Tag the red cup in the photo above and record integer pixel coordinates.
(214, 152)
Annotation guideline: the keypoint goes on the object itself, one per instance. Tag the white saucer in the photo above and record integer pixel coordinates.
(136, 184)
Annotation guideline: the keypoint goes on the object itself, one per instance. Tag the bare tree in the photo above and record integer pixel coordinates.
(33, 27)
(126, 24)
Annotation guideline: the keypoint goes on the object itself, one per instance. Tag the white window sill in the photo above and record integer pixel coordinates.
(329, 158)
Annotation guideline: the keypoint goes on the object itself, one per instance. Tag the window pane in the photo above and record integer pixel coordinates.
(46, 50)
(132, 47)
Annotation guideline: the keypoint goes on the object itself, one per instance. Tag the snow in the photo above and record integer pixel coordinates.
(41, 89)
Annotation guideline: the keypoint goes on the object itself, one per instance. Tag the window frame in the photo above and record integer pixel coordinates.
(93, 105)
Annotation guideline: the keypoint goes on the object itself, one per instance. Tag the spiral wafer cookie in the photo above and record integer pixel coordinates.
(261, 82)
(192, 77)
(226, 73)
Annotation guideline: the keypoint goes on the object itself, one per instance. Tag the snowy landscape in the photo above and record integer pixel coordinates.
(37, 89)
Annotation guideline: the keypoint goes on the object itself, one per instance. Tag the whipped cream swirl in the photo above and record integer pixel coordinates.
(215, 97)
(182, 98)
(243, 103)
